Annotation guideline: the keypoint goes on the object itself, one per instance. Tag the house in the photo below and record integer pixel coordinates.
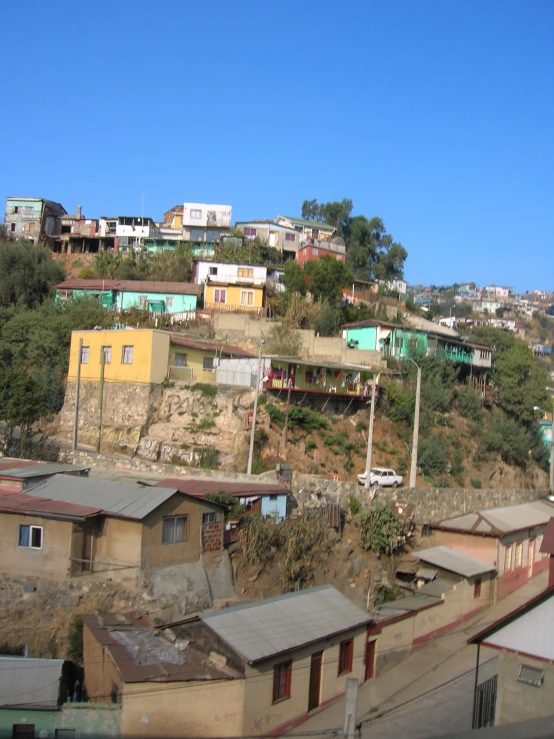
(231, 287)
(35, 219)
(547, 547)
(360, 291)
(397, 340)
(69, 526)
(275, 277)
(319, 378)
(121, 295)
(79, 235)
(128, 232)
(173, 218)
(285, 238)
(509, 538)
(204, 223)
(399, 286)
(308, 229)
(246, 670)
(521, 687)
(498, 292)
(270, 500)
(17, 475)
(314, 249)
(196, 360)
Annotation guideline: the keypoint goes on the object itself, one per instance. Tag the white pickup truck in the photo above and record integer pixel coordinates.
(382, 476)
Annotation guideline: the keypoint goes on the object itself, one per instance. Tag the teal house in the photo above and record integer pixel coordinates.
(399, 340)
(35, 701)
(121, 295)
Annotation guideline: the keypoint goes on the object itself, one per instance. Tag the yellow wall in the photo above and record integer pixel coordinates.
(195, 360)
(118, 543)
(196, 709)
(233, 297)
(261, 715)
(150, 355)
(53, 560)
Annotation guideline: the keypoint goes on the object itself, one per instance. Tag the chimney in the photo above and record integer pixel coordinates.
(79, 212)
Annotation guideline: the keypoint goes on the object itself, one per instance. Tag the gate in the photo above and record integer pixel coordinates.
(485, 703)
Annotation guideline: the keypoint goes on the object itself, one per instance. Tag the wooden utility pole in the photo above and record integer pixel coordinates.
(77, 393)
(101, 397)
(367, 483)
(413, 466)
(286, 427)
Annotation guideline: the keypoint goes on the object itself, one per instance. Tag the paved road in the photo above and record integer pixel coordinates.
(443, 710)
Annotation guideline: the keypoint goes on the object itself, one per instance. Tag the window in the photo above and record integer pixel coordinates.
(208, 518)
(127, 355)
(169, 301)
(107, 354)
(425, 530)
(346, 653)
(220, 296)
(30, 536)
(530, 676)
(16, 209)
(143, 301)
(208, 364)
(250, 233)
(180, 359)
(13, 227)
(245, 272)
(212, 271)
(477, 588)
(246, 297)
(29, 210)
(213, 234)
(174, 529)
(507, 559)
(519, 554)
(197, 234)
(85, 353)
(290, 237)
(282, 674)
(196, 213)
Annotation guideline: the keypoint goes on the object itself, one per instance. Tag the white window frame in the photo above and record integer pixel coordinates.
(174, 519)
(31, 528)
(169, 301)
(247, 294)
(180, 354)
(209, 518)
(126, 355)
(196, 213)
(222, 294)
(107, 354)
(85, 354)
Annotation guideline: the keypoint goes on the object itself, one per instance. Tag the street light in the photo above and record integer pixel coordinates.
(413, 466)
(253, 431)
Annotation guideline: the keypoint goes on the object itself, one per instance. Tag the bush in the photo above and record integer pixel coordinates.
(234, 508)
(282, 341)
(476, 483)
(514, 443)
(353, 505)
(328, 321)
(207, 390)
(381, 530)
(401, 402)
(383, 593)
(469, 404)
(433, 455)
(208, 457)
(298, 418)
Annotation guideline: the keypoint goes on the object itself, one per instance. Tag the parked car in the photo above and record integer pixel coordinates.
(382, 476)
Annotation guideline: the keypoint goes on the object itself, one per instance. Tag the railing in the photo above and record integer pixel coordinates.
(181, 374)
(189, 315)
(229, 308)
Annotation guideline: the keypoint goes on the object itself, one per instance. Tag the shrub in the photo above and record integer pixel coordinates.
(469, 404)
(401, 402)
(328, 321)
(208, 457)
(282, 341)
(514, 443)
(234, 508)
(384, 593)
(381, 530)
(207, 390)
(353, 505)
(87, 273)
(205, 424)
(298, 418)
(476, 483)
(75, 641)
(433, 455)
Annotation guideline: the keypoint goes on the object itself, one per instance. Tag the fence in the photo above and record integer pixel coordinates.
(183, 374)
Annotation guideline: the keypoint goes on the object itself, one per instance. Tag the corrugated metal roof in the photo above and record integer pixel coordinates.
(410, 603)
(547, 546)
(454, 561)
(200, 488)
(18, 502)
(500, 521)
(437, 588)
(39, 470)
(123, 499)
(261, 630)
(151, 286)
(30, 683)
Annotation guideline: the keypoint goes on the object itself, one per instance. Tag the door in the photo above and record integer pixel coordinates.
(315, 681)
(369, 659)
(530, 557)
(88, 543)
(23, 731)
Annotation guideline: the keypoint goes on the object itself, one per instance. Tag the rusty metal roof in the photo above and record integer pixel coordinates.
(199, 488)
(141, 653)
(17, 502)
(151, 286)
(30, 683)
(547, 546)
(454, 561)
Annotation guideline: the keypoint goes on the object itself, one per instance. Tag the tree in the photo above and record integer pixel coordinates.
(328, 321)
(381, 530)
(293, 278)
(23, 402)
(326, 277)
(28, 273)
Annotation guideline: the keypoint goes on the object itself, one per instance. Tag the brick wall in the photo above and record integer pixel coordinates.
(212, 537)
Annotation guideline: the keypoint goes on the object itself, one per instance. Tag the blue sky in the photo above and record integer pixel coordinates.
(436, 116)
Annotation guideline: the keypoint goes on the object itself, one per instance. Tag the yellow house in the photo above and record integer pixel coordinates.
(232, 298)
(144, 356)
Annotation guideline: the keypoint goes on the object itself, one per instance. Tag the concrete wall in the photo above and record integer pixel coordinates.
(52, 560)
(517, 701)
(261, 715)
(178, 710)
(88, 720)
(119, 544)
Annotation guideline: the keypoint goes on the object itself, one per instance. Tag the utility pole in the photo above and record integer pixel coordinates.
(286, 427)
(77, 391)
(101, 397)
(253, 431)
(370, 437)
(552, 452)
(350, 708)
(413, 467)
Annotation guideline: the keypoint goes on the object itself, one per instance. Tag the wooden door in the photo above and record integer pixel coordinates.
(315, 681)
(88, 544)
(369, 659)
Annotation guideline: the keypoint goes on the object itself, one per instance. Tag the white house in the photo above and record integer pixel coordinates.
(128, 230)
(309, 229)
(498, 292)
(277, 235)
(203, 215)
(227, 273)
